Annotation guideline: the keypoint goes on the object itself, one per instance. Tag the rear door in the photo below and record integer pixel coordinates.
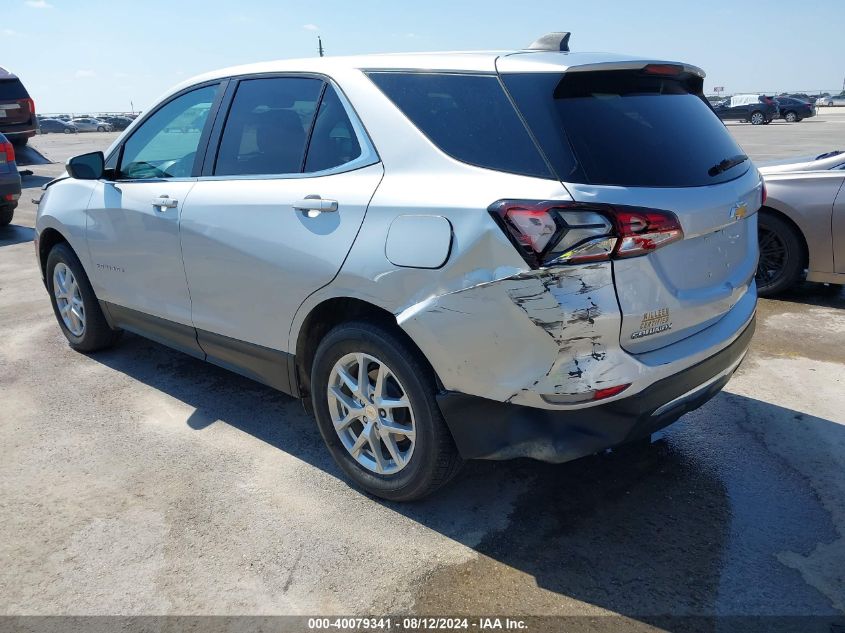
(645, 137)
(282, 197)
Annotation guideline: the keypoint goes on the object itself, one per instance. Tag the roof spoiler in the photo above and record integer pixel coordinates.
(557, 42)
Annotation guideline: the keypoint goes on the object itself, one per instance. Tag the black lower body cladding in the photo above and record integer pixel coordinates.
(487, 429)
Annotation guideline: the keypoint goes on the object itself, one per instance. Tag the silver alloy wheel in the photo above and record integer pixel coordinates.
(791, 117)
(757, 118)
(371, 413)
(69, 299)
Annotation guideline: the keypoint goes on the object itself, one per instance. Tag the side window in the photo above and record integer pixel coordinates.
(165, 145)
(469, 117)
(268, 126)
(333, 141)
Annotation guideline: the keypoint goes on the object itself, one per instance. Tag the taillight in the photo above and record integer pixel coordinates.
(764, 193)
(29, 104)
(7, 152)
(557, 232)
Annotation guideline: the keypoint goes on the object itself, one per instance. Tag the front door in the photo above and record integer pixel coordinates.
(275, 217)
(133, 217)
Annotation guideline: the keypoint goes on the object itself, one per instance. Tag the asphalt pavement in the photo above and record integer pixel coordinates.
(141, 481)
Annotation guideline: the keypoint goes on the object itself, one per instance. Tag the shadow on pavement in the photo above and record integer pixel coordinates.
(809, 293)
(28, 155)
(14, 234)
(691, 524)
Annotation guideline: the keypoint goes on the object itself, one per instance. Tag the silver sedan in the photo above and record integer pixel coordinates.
(802, 222)
(90, 124)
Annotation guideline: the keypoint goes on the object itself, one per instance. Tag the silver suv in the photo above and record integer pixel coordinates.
(446, 256)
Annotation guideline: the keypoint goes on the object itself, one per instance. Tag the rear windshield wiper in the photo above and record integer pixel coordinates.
(726, 164)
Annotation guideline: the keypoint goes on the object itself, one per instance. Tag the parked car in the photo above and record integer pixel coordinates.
(436, 280)
(90, 124)
(55, 125)
(838, 100)
(755, 109)
(802, 223)
(793, 110)
(118, 123)
(10, 181)
(17, 109)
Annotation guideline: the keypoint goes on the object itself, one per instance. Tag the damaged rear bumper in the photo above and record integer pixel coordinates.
(488, 429)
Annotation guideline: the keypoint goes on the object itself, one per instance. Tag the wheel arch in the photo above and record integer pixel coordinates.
(794, 225)
(328, 314)
(48, 238)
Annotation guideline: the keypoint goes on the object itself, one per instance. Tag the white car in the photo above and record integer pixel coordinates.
(89, 124)
(528, 253)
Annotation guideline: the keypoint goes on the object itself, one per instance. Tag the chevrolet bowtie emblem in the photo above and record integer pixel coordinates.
(739, 211)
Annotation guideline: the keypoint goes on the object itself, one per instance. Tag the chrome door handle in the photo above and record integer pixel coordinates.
(315, 203)
(165, 202)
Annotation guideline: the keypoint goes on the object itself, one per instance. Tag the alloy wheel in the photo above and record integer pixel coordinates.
(757, 118)
(371, 413)
(69, 299)
(773, 255)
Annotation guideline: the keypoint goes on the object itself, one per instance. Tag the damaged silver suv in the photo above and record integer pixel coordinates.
(446, 256)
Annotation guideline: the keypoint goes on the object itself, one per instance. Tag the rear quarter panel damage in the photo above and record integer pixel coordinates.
(549, 331)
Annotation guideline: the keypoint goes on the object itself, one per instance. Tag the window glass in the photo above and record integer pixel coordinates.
(333, 141)
(625, 128)
(468, 117)
(268, 126)
(165, 145)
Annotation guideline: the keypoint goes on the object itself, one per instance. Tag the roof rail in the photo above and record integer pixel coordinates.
(557, 41)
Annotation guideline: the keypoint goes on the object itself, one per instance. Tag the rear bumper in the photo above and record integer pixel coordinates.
(488, 429)
(15, 131)
(10, 184)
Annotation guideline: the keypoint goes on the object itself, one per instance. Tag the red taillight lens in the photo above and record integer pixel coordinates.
(559, 232)
(641, 231)
(29, 104)
(764, 193)
(7, 152)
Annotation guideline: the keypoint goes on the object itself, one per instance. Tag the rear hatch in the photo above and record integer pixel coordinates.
(643, 135)
(15, 105)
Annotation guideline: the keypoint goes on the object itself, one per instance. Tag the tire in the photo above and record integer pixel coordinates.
(782, 255)
(95, 333)
(20, 142)
(757, 118)
(67, 130)
(413, 468)
(791, 117)
(6, 214)
(100, 128)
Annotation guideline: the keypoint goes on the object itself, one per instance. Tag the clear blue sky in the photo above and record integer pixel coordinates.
(98, 55)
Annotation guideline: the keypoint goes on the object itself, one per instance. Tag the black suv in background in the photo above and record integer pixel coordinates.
(793, 110)
(17, 110)
(756, 109)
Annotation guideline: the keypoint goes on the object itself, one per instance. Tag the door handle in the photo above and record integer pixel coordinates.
(165, 202)
(316, 204)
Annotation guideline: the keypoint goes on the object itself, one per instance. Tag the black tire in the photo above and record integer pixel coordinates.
(757, 118)
(791, 117)
(97, 334)
(6, 214)
(100, 128)
(435, 459)
(782, 255)
(20, 142)
(67, 130)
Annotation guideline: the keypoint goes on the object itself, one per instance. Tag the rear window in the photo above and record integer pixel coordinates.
(469, 117)
(625, 128)
(12, 89)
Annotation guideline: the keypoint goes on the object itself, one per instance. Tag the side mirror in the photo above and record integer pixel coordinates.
(87, 166)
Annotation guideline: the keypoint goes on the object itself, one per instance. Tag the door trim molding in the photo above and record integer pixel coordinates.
(271, 367)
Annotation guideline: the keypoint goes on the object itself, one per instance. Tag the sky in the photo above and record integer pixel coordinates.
(116, 55)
